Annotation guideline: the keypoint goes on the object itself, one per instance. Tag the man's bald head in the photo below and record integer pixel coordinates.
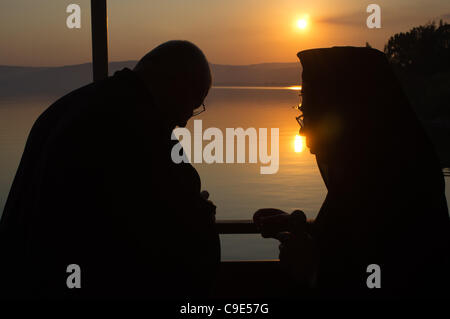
(178, 76)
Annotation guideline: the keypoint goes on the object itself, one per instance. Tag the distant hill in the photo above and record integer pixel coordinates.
(257, 74)
(27, 81)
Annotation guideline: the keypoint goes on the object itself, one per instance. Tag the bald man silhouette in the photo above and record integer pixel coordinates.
(96, 187)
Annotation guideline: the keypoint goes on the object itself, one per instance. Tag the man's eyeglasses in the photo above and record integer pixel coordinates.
(199, 110)
(299, 107)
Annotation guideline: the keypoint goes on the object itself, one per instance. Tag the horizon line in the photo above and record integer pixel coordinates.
(122, 61)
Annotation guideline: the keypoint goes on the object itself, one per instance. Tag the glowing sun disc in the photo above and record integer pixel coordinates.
(302, 23)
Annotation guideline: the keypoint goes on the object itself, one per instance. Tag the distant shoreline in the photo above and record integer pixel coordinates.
(260, 87)
(21, 81)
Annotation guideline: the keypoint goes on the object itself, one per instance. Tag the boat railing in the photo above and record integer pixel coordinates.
(248, 278)
(236, 226)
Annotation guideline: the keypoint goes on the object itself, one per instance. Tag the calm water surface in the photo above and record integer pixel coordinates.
(237, 189)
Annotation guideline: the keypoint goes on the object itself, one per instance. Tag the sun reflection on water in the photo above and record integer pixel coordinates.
(295, 87)
(299, 144)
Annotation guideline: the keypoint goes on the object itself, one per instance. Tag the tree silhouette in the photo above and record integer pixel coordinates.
(423, 50)
(421, 59)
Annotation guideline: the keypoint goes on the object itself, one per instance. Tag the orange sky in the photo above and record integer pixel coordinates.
(229, 32)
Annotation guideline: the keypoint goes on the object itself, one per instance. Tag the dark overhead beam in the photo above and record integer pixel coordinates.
(99, 26)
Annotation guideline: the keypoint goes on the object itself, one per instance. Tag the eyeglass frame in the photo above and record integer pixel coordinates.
(299, 107)
(201, 111)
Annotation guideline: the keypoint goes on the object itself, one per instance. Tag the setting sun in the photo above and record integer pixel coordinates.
(302, 23)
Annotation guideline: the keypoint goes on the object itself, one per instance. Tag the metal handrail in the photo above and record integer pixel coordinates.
(239, 226)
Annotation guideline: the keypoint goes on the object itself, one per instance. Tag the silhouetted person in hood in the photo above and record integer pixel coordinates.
(385, 203)
(97, 187)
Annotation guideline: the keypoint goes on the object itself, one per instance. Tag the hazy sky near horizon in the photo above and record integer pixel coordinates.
(34, 33)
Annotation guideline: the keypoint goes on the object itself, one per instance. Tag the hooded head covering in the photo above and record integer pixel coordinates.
(385, 184)
(350, 95)
(355, 110)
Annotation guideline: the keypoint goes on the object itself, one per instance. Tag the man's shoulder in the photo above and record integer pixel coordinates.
(83, 103)
(65, 105)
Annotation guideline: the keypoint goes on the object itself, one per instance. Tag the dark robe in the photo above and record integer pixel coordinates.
(386, 202)
(97, 187)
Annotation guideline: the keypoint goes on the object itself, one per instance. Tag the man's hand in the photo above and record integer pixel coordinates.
(207, 205)
(204, 194)
(271, 221)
